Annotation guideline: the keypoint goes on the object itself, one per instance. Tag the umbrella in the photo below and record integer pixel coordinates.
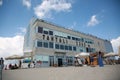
(14, 57)
(110, 54)
(83, 54)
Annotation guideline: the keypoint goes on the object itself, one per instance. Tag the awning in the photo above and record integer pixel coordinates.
(110, 54)
(82, 54)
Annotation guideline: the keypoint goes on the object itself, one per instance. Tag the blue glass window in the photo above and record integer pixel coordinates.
(39, 44)
(81, 50)
(69, 37)
(45, 32)
(82, 39)
(62, 47)
(56, 46)
(50, 32)
(70, 48)
(40, 29)
(66, 47)
(45, 44)
(73, 38)
(74, 48)
(76, 39)
(50, 44)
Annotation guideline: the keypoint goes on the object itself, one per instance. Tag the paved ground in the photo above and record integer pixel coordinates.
(109, 72)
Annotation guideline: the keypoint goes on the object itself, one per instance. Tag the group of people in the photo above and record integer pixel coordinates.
(13, 66)
(31, 64)
(92, 60)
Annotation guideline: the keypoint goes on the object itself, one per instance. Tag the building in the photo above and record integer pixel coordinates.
(55, 45)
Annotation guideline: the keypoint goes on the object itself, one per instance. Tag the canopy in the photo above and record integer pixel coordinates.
(110, 54)
(82, 54)
(14, 57)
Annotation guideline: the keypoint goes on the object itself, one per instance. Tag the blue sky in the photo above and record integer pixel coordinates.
(97, 17)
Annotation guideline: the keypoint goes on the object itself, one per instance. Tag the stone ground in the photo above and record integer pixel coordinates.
(108, 72)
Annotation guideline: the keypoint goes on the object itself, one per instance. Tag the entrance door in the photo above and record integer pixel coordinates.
(51, 60)
(60, 63)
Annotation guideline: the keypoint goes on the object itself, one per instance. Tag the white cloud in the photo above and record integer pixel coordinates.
(115, 44)
(11, 45)
(47, 6)
(93, 21)
(27, 3)
(72, 26)
(1, 2)
(22, 29)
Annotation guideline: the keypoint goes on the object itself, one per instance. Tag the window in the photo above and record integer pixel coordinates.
(40, 29)
(66, 47)
(50, 32)
(45, 44)
(56, 46)
(70, 48)
(74, 48)
(82, 39)
(69, 37)
(62, 47)
(50, 44)
(39, 44)
(76, 39)
(45, 32)
(73, 38)
(81, 50)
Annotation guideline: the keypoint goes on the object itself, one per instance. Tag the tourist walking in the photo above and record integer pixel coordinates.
(1, 63)
(100, 60)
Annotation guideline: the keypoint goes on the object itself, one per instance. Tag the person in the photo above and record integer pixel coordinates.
(100, 61)
(6, 67)
(10, 66)
(1, 63)
(28, 65)
(20, 63)
(86, 61)
(15, 66)
(83, 61)
(91, 60)
(34, 63)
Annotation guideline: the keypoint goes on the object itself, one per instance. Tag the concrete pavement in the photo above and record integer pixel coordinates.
(109, 72)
